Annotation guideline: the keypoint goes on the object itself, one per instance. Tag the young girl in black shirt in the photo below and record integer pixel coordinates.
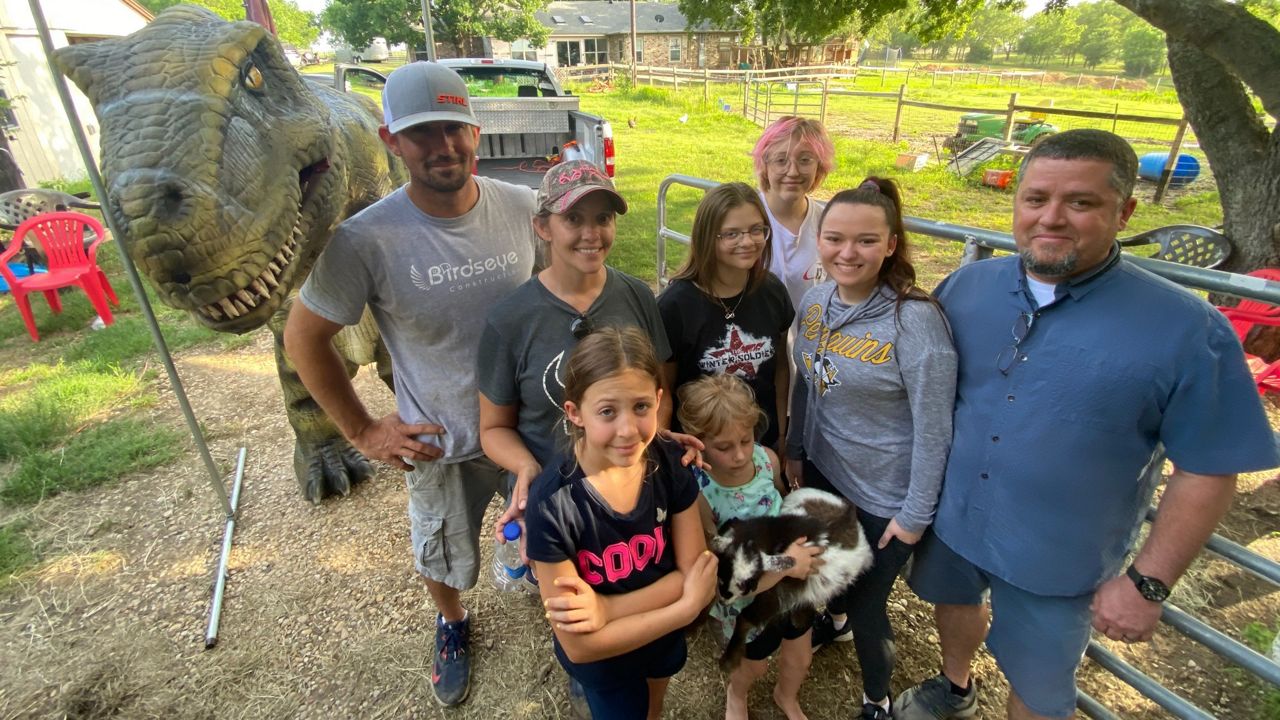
(724, 312)
(614, 533)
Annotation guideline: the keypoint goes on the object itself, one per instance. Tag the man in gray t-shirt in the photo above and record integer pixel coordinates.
(428, 260)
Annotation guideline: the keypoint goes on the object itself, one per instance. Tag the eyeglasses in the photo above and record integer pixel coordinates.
(758, 232)
(804, 163)
(581, 327)
(1009, 355)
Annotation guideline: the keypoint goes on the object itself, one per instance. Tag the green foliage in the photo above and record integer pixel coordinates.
(1102, 24)
(979, 53)
(294, 25)
(73, 187)
(16, 553)
(1142, 50)
(993, 26)
(1049, 34)
(99, 454)
(400, 21)
(1259, 636)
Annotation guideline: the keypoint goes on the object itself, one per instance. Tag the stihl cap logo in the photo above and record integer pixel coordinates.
(452, 99)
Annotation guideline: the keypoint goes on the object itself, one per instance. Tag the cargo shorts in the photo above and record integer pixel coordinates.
(447, 502)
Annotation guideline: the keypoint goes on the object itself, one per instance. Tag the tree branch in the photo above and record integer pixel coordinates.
(1217, 107)
(1247, 46)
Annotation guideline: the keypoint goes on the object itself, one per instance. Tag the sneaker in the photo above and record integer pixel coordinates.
(874, 711)
(451, 671)
(825, 631)
(933, 700)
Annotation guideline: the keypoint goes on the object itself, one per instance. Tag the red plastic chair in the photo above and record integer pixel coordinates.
(60, 236)
(1249, 313)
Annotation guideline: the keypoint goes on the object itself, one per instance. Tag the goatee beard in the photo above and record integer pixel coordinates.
(1060, 268)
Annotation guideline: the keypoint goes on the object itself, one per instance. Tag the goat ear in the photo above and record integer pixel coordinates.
(778, 563)
(720, 543)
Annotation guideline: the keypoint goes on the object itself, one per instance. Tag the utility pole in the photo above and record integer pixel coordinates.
(633, 43)
(426, 29)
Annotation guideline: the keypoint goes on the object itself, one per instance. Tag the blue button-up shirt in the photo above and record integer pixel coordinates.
(1051, 465)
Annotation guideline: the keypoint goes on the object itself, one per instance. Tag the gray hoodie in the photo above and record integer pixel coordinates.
(874, 392)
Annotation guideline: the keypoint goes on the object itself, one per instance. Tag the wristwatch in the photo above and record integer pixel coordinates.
(1150, 588)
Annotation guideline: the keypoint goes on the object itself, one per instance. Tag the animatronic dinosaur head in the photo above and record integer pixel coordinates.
(219, 159)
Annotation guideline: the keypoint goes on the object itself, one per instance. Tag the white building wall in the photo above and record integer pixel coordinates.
(43, 144)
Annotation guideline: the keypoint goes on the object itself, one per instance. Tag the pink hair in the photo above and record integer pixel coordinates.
(795, 132)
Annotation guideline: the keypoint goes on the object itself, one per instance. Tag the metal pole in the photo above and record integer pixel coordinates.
(109, 215)
(1234, 652)
(220, 582)
(633, 43)
(1131, 676)
(426, 30)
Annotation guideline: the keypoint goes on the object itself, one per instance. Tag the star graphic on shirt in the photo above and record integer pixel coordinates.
(741, 355)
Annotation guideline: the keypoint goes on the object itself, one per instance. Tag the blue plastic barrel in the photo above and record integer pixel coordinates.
(1152, 164)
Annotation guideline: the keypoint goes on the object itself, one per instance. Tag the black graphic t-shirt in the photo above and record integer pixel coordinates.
(704, 342)
(525, 347)
(614, 552)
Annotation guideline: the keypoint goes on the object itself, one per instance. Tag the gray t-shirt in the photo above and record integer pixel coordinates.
(428, 282)
(526, 346)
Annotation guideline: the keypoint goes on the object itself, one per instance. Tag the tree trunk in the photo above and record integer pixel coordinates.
(1244, 155)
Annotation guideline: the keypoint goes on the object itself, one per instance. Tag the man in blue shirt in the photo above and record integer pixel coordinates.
(1079, 373)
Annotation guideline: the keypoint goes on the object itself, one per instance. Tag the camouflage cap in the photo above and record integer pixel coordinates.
(567, 183)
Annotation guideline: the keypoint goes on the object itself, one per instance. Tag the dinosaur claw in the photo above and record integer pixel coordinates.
(329, 467)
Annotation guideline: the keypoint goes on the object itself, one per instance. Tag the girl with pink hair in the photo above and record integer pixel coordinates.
(792, 158)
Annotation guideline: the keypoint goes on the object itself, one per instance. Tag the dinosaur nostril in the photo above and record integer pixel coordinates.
(169, 201)
(182, 278)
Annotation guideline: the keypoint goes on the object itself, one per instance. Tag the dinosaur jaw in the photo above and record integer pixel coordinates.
(250, 306)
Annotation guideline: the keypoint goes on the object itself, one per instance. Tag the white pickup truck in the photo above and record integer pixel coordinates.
(526, 118)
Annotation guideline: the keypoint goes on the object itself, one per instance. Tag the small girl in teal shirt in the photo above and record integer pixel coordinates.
(742, 481)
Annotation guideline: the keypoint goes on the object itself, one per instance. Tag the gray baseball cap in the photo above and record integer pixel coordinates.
(567, 183)
(423, 92)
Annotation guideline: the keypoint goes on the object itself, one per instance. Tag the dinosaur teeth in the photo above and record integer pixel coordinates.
(270, 279)
(274, 268)
(228, 308)
(246, 298)
(212, 311)
(240, 306)
(260, 288)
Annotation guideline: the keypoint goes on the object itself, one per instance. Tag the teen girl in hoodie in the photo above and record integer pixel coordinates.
(871, 409)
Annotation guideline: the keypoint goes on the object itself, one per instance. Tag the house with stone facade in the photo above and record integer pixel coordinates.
(595, 32)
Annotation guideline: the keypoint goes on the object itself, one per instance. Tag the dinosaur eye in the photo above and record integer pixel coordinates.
(252, 77)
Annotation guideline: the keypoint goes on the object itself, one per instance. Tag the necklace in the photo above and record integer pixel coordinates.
(728, 313)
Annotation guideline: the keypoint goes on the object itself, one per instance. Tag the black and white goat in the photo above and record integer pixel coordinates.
(749, 548)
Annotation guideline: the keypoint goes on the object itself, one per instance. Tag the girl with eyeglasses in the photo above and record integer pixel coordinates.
(724, 312)
(528, 336)
(871, 409)
(792, 158)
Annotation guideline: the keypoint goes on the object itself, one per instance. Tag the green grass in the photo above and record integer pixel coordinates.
(39, 414)
(97, 455)
(16, 552)
(716, 145)
(1260, 636)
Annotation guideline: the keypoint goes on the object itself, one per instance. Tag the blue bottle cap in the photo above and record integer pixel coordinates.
(511, 531)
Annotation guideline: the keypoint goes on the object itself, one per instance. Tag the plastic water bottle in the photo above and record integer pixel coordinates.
(509, 570)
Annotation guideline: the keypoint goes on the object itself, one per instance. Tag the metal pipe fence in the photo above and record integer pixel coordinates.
(981, 243)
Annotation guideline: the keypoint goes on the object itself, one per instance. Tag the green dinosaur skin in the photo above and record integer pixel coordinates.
(227, 174)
